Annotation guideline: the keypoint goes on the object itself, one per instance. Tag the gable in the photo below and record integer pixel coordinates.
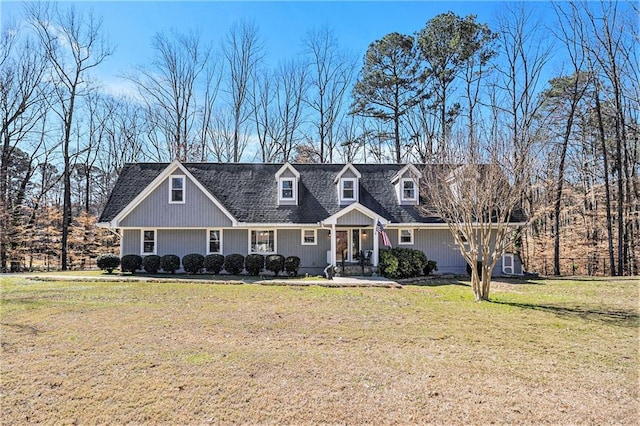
(155, 210)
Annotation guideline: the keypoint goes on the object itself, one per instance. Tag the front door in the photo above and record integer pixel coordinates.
(347, 245)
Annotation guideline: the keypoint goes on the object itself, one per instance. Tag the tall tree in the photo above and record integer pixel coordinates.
(331, 74)
(450, 44)
(390, 83)
(243, 50)
(169, 89)
(74, 44)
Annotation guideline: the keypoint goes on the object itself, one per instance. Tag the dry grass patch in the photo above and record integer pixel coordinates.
(554, 351)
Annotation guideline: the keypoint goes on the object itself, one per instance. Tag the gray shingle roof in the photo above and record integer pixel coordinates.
(249, 191)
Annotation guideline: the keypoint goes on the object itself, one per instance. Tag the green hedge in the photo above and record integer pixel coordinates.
(275, 263)
(234, 263)
(131, 263)
(213, 263)
(170, 263)
(151, 263)
(254, 263)
(193, 263)
(108, 262)
(398, 263)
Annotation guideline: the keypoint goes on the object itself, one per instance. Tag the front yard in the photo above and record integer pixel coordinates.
(547, 351)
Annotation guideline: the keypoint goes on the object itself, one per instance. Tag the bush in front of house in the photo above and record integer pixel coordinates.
(234, 263)
(151, 264)
(431, 266)
(291, 265)
(130, 263)
(397, 263)
(254, 263)
(170, 263)
(213, 263)
(193, 263)
(108, 262)
(275, 263)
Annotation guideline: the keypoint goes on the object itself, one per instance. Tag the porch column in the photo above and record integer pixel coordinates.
(376, 244)
(333, 244)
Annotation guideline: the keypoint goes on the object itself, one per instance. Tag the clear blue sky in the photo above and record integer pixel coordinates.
(130, 25)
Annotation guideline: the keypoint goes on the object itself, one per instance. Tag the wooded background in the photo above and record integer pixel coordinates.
(454, 86)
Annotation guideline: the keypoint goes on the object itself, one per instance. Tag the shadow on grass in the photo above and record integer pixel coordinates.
(623, 318)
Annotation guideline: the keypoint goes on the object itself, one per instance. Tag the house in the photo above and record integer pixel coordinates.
(322, 213)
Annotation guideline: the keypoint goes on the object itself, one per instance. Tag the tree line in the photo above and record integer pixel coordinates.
(455, 91)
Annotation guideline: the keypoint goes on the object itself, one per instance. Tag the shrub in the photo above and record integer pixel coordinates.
(170, 263)
(131, 263)
(233, 263)
(430, 267)
(254, 263)
(275, 263)
(479, 269)
(388, 264)
(193, 263)
(402, 263)
(291, 265)
(213, 263)
(108, 262)
(151, 263)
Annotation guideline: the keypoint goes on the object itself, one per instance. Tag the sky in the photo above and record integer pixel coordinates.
(130, 26)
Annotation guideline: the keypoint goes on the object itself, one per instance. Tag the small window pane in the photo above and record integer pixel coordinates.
(406, 236)
(309, 237)
(214, 241)
(287, 189)
(408, 190)
(149, 242)
(177, 189)
(347, 189)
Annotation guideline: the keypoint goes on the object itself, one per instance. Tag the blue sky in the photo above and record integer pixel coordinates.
(130, 25)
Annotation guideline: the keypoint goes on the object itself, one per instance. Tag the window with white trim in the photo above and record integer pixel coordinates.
(348, 189)
(214, 241)
(405, 236)
(409, 192)
(149, 241)
(176, 189)
(287, 189)
(309, 237)
(262, 241)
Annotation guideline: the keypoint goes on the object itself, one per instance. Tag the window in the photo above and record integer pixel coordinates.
(406, 236)
(214, 241)
(148, 241)
(262, 241)
(348, 189)
(309, 237)
(287, 189)
(176, 190)
(409, 190)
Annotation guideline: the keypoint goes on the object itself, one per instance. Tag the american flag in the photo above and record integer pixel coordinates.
(385, 238)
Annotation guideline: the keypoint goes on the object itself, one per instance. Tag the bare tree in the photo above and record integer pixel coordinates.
(73, 44)
(291, 86)
(169, 89)
(243, 50)
(331, 74)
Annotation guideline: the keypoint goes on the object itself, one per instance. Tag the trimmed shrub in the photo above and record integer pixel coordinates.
(193, 263)
(430, 267)
(213, 263)
(388, 264)
(131, 263)
(479, 269)
(233, 263)
(402, 263)
(254, 263)
(151, 264)
(170, 263)
(108, 262)
(291, 265)
(275, 263)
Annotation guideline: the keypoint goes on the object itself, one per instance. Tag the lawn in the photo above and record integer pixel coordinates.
(547, 351)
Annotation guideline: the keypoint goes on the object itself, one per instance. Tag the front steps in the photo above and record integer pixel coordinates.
(354, 271)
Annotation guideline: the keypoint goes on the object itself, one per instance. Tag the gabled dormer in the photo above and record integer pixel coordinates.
(347, 183)
(407, 185)
(287, 179)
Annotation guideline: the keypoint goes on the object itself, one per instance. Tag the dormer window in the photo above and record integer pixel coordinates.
(286, 189)
(348, 189)
(176, 190)
(409, 192)
(287, 178)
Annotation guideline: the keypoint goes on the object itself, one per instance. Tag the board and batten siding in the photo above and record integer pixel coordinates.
(235, 241)
(130, 242)
(156, 211)
(313, 258)
(355, 218)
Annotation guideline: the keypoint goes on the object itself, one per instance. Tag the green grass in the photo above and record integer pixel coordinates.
(546, 351)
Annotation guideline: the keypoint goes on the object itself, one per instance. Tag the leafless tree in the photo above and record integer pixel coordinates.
(243, 50)
(331, 74)
(169, 88)
(73, 44)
